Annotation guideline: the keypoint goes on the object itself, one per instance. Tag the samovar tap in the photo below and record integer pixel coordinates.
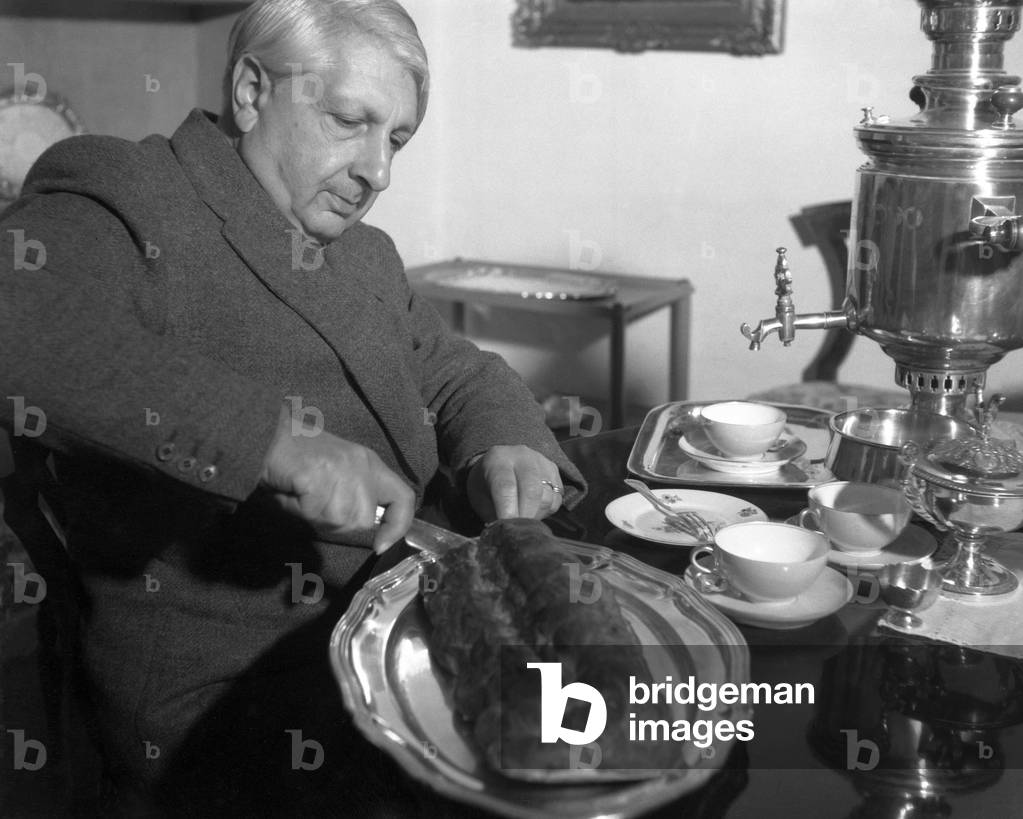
(786, 321)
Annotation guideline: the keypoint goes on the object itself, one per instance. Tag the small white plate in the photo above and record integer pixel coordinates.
(828, 594)
(634, 514)
(914, 545)
(697, 446)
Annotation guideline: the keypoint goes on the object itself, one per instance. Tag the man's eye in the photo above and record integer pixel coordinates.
(397, 144)
(345, 122)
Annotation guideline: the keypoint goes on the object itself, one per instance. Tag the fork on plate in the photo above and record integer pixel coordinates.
(688, 522)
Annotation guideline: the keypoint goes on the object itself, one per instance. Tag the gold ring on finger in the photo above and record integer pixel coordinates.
(555, 489)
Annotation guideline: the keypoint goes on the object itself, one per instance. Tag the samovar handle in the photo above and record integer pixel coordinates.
(1007, 100)
(912, 487)
(985, 411)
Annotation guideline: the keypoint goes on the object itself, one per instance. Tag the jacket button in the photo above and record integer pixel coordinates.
(207, 473)
(165, 452)
(186, 465)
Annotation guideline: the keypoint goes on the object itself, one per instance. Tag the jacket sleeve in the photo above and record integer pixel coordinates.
(85, 368)
(479, 401)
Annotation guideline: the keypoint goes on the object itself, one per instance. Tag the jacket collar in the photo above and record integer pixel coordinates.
(346, 315)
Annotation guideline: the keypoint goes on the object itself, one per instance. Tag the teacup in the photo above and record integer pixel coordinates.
(743, 429)
(859, 518)
(763, 561)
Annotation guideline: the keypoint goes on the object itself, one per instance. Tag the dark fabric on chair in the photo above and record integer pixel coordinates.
(70, 717)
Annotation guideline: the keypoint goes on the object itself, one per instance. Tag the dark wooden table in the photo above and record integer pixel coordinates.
(899, 727)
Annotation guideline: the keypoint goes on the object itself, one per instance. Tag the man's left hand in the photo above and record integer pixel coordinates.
(514, 482)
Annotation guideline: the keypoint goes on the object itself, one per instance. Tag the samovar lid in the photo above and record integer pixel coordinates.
(966, 99)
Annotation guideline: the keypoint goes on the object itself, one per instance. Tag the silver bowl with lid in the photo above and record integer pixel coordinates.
(972, 487)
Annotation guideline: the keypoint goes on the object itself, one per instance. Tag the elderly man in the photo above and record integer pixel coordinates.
(239, 385)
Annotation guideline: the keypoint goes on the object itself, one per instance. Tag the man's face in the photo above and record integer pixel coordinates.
(322, 144)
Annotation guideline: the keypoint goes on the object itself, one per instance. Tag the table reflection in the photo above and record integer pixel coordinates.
(901, 726)
(912, 722)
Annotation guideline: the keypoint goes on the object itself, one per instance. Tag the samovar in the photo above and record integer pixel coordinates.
(935, 271)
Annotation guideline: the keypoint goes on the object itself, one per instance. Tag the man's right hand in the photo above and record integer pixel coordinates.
(336, 485)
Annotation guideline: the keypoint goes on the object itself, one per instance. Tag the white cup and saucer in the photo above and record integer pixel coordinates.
(772, 575)
(868, 525)
(741, 437)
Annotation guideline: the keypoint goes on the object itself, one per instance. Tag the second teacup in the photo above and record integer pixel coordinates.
(762, 560)
(859, 518)
(743, 429)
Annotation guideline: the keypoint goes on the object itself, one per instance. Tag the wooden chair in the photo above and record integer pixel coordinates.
(826, 227)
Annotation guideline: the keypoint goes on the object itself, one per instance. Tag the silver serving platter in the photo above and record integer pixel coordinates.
(524, 282)
(380, 655)
(656, 455)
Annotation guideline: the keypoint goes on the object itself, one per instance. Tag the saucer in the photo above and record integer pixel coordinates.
(914, 545)
(697, 446)
(828, 594)
(634, 514)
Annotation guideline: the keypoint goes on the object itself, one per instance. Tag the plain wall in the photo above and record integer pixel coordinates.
(125, 69)
(665, 164)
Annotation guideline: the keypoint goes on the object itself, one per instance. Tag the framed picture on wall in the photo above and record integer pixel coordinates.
(743, 27)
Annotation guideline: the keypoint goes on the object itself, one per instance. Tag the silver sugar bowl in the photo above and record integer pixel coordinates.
(972, 487)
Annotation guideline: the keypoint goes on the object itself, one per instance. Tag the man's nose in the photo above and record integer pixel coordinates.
(373, 164)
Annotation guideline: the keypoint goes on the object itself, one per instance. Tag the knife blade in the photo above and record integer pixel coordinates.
(435, 540)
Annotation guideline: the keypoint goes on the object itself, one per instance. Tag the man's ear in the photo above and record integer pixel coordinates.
(251, 87)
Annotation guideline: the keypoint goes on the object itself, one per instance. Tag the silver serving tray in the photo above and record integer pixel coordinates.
(380, 656)
(525, 282)
(656, 455)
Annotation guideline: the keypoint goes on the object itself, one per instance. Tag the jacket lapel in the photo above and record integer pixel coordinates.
(351, 319)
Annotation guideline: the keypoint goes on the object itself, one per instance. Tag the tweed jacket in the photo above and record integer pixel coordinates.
(155, 310)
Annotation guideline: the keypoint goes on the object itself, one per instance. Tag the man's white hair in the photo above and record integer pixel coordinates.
(282, 33)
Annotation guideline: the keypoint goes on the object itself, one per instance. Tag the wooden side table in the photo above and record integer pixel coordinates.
(620, 299)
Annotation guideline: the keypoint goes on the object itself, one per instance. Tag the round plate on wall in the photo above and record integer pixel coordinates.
(29, 124)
